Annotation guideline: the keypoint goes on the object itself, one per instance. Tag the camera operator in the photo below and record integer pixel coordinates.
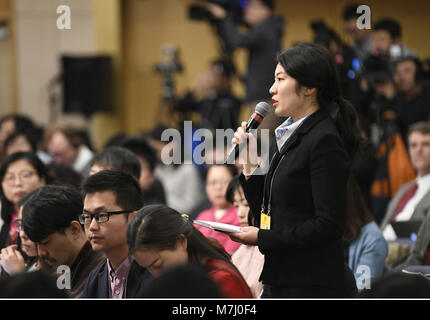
(263, 41)
(391, 165)
(399, 88)
(363, 164)
(343, 55)
(211, 96)
(412, 100)
(387, 40)
(374, 95)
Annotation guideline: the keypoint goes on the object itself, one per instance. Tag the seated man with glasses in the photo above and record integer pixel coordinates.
(50, 218)
(111, 198)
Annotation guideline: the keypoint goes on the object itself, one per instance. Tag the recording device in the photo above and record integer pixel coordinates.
(233, 7)
(167, 69)
(261, 110)
(376, 70)
(172, 64)
(234, 10)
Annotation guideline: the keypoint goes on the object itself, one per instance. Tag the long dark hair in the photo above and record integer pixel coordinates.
(357, 212)
(312, 66)
(159, 227)
(7, 207)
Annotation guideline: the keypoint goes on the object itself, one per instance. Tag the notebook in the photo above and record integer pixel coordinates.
(217, 226)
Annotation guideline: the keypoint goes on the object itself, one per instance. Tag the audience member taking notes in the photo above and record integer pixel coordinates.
(161, 238)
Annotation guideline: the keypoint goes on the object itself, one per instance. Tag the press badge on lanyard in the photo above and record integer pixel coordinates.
(265, 219)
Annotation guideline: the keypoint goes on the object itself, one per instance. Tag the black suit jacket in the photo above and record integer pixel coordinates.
(87, 260)
(98, 282)
(308, 207)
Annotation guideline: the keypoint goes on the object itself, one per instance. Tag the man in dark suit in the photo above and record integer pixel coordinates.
(111, 198)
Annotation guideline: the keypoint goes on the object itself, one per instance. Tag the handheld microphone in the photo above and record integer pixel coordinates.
(262, 109)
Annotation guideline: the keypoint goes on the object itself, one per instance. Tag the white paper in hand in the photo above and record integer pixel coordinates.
(218, 226)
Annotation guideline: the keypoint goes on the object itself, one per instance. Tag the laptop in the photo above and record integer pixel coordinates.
(404, 229)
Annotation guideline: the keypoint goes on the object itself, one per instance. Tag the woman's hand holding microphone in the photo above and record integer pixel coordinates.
(248, 155)
(248, 159)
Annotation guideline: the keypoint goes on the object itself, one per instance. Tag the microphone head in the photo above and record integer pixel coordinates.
(262, 108)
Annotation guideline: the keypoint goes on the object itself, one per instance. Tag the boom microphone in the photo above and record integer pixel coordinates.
(262, 109)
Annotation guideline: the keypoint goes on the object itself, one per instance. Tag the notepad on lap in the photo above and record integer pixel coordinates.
(417, 269)
(218, 226)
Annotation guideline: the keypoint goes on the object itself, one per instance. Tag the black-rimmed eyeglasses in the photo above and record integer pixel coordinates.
(86, 218)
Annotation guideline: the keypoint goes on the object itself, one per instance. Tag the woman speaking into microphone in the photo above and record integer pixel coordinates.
(301, 201)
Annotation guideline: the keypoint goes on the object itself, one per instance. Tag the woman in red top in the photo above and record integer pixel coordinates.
(161, 238)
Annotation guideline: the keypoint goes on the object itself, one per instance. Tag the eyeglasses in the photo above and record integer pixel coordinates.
(18, 224)
(101, 217)
(24, 176)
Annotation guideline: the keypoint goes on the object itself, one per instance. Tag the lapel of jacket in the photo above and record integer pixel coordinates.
(392, 205)
(103, 282)
(424, 204)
